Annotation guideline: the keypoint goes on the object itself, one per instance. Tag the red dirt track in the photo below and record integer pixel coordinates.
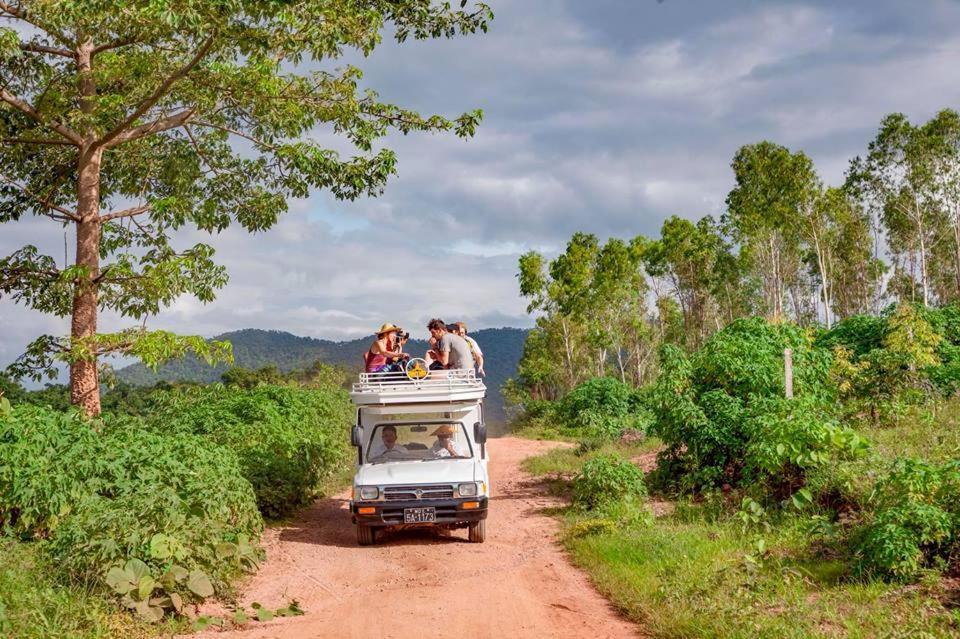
(427, 584)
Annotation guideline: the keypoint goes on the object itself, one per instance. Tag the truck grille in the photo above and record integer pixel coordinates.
(408, 493)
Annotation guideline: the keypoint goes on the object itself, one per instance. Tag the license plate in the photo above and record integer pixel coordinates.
(419, 515)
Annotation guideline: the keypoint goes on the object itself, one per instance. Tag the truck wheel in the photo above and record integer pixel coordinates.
(478, 531)
(365, 535)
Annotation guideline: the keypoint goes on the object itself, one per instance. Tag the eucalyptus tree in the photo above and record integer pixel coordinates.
(618, 306)
(944, 131)
(129, 119)
(851, 269)
(561, 290)
(773, 187)
(690, 257)
(898, 179)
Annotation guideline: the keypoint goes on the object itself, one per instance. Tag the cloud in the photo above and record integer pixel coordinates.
(603, 116)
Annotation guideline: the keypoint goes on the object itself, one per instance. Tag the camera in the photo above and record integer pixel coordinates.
(402, 336)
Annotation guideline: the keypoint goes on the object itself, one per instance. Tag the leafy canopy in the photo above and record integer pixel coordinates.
(169, 114)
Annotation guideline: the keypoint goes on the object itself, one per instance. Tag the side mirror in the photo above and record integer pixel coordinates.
(480, 433)
(355, 436)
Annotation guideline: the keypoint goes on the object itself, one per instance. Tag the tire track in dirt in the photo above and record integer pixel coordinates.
(432, 583)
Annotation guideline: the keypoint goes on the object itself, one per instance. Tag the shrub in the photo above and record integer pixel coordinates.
(287, 439)
(916, 523)
(723, 418)
(108, 492)
(605, 480)
(602, 408)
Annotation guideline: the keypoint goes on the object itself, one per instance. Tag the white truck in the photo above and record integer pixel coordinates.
(421, 452)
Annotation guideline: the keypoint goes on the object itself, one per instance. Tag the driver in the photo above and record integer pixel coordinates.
(388, 443)
(444, 446)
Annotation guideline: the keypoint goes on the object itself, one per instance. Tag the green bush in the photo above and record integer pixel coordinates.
(916, 523)
(601, 408)
(598, 394)
(605, 480)
(104, 493)
(287, 439)
(722, 416)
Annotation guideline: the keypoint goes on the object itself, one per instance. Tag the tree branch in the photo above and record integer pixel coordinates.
(22, 106)
(158, 125)
(235, 132)
(116, 44)
(36, 141)
(67, 214)
(31, 47)
(147, 104)
(131, 212)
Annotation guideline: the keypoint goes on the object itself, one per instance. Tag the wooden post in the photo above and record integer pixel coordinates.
(788, 372)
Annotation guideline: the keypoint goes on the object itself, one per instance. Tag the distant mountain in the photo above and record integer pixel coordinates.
(254, 348)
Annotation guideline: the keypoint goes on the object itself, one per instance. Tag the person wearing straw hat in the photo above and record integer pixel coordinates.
(385, 354)
(445, 446)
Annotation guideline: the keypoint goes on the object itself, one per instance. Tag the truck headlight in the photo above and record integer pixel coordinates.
(369, 493)
(467, 490)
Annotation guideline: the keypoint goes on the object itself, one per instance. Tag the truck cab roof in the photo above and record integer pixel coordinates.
(454, 386)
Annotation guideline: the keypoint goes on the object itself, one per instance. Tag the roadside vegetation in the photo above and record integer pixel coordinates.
(833, 513)
(119, 522)
(826, 505)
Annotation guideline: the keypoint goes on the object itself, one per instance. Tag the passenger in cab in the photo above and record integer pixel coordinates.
(385, 355)
(448, 349)
(387, 444)
(445, 446)
(474, 347)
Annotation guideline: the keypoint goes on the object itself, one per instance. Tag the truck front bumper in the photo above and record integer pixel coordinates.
(448, 511)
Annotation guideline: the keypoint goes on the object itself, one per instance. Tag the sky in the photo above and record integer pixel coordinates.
(604, 116)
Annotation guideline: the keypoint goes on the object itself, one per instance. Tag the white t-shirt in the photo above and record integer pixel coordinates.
(473, 343)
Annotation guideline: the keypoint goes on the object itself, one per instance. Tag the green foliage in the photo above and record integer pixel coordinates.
(916, 524)
(606, 480)
(35, 604)
(187, 114)
(723, 418)
(107, 492)
(286, 439)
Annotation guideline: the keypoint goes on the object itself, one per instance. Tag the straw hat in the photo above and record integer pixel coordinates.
(387, 328)
(446, 429)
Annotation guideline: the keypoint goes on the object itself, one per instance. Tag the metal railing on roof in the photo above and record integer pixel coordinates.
(456, 379)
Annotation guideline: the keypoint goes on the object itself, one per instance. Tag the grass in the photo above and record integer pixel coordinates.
(708, 579)
(33, 605)
(696, 572)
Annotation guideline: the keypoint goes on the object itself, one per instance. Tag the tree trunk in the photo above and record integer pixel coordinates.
(84, 380)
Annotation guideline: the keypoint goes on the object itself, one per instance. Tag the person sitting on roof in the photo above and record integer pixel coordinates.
(474, 347)
(448, 349)
(385, 355)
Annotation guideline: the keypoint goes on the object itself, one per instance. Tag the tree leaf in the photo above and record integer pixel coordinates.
(199, 584)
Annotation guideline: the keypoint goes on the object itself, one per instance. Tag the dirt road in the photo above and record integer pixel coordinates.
(422, 583)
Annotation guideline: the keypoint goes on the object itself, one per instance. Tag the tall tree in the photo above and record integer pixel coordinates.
(944, 131)
(773, 186)
(689, 255)
(851, 269)
(126, 120)
(898, 179)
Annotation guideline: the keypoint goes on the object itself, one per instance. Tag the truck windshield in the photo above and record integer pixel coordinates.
(418, 442)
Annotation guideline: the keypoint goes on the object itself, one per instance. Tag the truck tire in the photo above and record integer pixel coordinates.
(478, 531)
(365, 535)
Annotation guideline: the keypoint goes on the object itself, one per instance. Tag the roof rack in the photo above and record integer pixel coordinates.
(451, 385)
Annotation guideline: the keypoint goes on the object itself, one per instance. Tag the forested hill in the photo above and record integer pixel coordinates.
(254, 348)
